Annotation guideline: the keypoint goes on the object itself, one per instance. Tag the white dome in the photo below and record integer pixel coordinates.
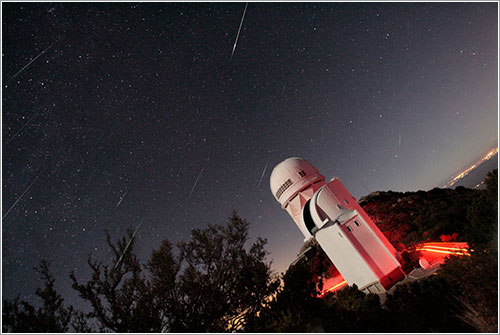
(290, 177)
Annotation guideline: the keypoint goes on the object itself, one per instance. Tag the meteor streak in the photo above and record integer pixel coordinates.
(34, 59)
(263, 172)
(128, 245)
(20, 197)
(98, 141)
(21, 129)
(121, 199)
(196, 182)
(284, 86)
(366, 188)
(239, 29)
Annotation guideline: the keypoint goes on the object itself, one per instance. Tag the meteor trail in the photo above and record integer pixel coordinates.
(239, 29)
(399, 143)
(20, 197)
(21, 128)
(366, 188)
(34, 59)
(284, 86)
(98, 141)
(263, 172)
(196, 182)
(128, 245)
(91, 176)
(121, 199)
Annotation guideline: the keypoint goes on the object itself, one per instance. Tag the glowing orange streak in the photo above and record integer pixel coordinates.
(447, 244)
(444, 251)
(447, 252)
(438, 250)
(444, 248)
(437, 245)
(334, 287)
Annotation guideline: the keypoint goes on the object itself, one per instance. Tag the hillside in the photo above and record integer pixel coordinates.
(213, 283)
(413, 217)
(459, 298)
(407, 219)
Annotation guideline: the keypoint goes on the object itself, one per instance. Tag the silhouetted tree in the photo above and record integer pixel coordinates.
(223, 285)
(164, 268)
(424, 306)
(51, 317)
(295, 307)
(214, 284)
(473, 283)
(120, 297)
(350, 310)
(483, 214)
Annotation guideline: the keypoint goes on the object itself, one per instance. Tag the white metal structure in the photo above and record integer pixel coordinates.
(331, 215)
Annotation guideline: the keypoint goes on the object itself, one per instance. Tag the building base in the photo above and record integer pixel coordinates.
(385, 283)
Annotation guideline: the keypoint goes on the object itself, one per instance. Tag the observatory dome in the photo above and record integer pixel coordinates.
(291, 176)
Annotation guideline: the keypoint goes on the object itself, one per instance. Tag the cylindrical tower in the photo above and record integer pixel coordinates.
(293, 182)
(332, 216)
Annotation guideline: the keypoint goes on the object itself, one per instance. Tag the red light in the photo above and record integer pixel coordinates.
(454, 248)
(334, 288)
(437, 253)
(449, 252)
(445, 248)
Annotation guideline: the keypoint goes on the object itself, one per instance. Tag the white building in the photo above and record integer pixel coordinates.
(331, 215)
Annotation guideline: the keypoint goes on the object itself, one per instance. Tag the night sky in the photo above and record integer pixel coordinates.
(120, 112)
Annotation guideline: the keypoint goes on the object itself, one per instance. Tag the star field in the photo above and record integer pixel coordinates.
(137, 111)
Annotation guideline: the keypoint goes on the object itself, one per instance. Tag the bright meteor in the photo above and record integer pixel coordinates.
(239, 29)
(34, 59)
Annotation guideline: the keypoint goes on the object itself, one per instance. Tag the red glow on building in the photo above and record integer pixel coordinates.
(434, 253)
